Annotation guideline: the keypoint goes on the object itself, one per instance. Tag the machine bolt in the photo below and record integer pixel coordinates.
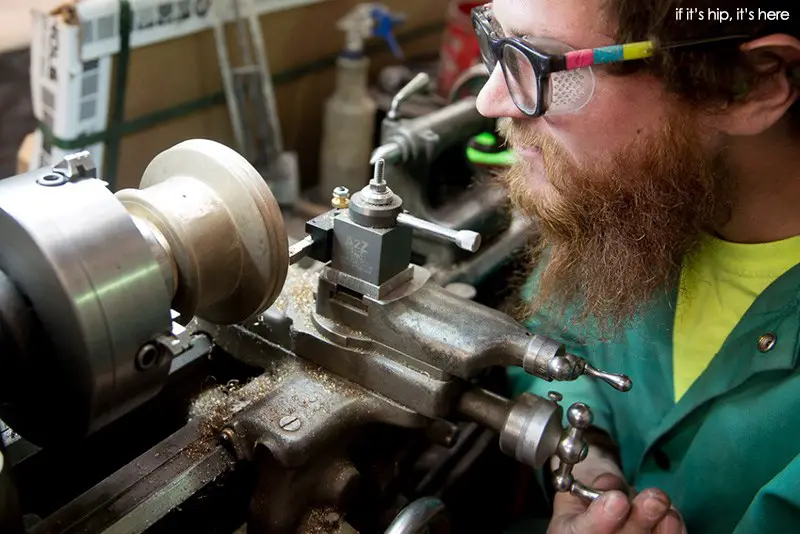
(52, 179)
(340, 198)
(555, 396)
(290, 423)
(767, 342)
(378, 182)
(147, 357)
(227, 435)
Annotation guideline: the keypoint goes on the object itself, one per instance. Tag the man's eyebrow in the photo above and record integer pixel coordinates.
(510, 30)
(514, 31)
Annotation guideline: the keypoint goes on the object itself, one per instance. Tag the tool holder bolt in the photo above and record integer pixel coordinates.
(341, 197)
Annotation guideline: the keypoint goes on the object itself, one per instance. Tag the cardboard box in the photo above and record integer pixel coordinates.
(172, 87)
(24, 154)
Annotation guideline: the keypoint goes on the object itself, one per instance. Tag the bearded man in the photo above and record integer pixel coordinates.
(659, 155)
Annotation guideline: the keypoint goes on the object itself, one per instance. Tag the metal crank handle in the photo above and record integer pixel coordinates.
(566, 483)
(584, 492)
(418, 83)
(617, 381)
(547, 359)
(465, 239)
(572, 450)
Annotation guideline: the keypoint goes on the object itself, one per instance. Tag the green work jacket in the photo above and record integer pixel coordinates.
(728, 453)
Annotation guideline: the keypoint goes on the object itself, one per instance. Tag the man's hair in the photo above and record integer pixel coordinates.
(715, 73)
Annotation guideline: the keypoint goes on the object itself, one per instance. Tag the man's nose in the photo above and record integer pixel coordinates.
(494, 100)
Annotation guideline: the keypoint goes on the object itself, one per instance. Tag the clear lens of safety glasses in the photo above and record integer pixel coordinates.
(520, 79)
(564, 92)
(486, 51)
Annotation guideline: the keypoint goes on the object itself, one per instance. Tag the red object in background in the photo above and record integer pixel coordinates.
(459, 49)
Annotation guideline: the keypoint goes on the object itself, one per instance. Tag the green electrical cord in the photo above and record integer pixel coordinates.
(484, 149)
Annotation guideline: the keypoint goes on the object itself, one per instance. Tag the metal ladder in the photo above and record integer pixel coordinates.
(251, 100)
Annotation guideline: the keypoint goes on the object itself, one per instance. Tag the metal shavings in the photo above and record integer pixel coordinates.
(298, 291)
(215, 407)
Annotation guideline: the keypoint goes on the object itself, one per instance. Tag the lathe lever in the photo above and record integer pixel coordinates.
(547, 359)
(617, 381)
(464, 239)
(417, 84)
(572, 450)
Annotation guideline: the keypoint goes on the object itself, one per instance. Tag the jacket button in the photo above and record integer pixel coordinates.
(661, 459)
(767, 342)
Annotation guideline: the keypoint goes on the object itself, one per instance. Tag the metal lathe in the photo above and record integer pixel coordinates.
(333, 366)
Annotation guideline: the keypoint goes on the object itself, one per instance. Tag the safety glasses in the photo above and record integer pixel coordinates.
(545, 76)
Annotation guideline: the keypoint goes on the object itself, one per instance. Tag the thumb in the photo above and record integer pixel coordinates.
(605, 515)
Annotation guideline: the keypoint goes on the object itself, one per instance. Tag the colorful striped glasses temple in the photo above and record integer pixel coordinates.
(587, 57)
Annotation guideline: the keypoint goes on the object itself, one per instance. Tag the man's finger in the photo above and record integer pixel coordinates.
(608, 481)
(565, 503)
(605, 515)
(647, 510)
(671, 524)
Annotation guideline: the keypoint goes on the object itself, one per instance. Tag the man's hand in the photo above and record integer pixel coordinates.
(614, 512)
(618, 510)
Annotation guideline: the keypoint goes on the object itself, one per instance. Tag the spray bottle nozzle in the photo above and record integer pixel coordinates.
(370, 20)
(385, 22)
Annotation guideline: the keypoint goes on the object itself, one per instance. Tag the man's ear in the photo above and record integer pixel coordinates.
(776, 58)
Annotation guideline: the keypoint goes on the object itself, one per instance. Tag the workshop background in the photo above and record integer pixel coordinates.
(174, 88)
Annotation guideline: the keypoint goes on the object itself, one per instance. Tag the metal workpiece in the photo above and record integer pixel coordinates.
(97, 294)
(161, 251)
(463, 239)
(222, 226)
(424, 515)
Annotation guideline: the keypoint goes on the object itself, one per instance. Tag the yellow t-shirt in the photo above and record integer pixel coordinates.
(718, 287)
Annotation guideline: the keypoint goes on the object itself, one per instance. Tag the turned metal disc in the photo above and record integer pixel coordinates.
(263, 241)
